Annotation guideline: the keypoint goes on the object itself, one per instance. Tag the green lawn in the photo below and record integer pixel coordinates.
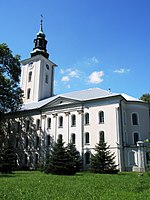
(39, 186)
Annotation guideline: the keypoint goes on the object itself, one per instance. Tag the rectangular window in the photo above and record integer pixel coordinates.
(46, 78)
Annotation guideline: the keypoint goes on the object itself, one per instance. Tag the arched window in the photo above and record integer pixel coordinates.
(60, 136)
(87, 138)
(38, 124)
(87, 158)
(48, 122)
(28, 93)
(30, 77)
(101, 136)
(135, 137)
(134, 119)
(132, 158)
(101, 117)
(48, 140)
(73, 138)
(86, 118)
(60, 121)
(73, 120)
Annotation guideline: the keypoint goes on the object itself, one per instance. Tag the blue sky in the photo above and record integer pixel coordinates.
(95, 43)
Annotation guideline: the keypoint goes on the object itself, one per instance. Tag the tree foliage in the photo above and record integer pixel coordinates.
(74, 153)
(145, 97)
(10, 101)
(63, 160)
(10, 93)
(103, 160)
(8, 158)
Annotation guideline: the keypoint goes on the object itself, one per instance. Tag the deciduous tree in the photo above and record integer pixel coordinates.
(145, 97)
(10, 99)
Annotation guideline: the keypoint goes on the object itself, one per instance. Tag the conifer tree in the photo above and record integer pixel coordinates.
(8, 159)
(60, 161)
(103, 160)
(77, 160)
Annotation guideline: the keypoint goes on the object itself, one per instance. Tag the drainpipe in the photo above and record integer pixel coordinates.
(82, 134)
(122, 131)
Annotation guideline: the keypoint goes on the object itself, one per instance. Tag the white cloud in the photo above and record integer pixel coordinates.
(91, 61)
(65, 79)
(122, 71)
(68, 74)
(96, 77)
(74, 73)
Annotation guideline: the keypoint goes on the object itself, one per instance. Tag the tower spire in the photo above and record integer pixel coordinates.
(40, 43)
(41, 24)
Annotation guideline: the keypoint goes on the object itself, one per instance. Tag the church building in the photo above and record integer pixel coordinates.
(82, 117)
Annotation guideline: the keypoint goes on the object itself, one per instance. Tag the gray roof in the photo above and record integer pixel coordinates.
(81, 95)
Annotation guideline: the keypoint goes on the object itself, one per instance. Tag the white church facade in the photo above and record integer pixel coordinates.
(82, 117)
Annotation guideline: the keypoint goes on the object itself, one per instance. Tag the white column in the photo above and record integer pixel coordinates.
(141, 160)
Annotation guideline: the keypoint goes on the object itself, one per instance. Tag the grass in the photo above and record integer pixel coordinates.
(83, 186)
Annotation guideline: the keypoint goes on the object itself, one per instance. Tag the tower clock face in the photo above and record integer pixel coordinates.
(31, 65)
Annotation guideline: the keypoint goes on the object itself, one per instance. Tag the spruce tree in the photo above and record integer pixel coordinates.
(8, 159)
(77, 160)
(103, 160)
(60, 161)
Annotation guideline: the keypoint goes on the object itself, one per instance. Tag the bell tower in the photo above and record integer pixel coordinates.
(37, 76)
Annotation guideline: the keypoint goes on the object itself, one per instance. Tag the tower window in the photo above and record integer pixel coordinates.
(46, 78)
(28, 93)
(30, 77)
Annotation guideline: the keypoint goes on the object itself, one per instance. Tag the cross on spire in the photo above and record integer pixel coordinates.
(41, 23)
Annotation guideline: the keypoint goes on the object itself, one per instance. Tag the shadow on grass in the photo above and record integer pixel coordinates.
(7, 175)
